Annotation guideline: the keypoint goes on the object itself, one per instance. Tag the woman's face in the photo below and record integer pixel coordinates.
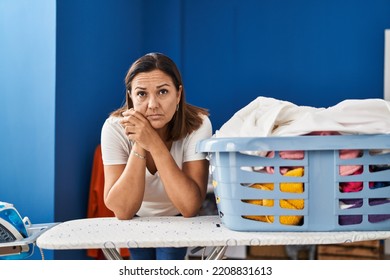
(155, 96)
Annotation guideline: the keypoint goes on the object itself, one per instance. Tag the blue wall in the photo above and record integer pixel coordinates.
(96, 42)
(162, 28)
(310, 52)
(63, 63)
(27, 87)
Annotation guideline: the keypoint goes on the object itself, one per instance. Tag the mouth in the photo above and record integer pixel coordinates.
(154, 116)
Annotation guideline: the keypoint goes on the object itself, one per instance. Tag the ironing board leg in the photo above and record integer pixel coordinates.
(217, 253)
(111, 254)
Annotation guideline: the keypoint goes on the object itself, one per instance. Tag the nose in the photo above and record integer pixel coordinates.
(153, 103)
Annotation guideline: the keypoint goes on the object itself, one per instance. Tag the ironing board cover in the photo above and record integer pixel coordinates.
(180, 232)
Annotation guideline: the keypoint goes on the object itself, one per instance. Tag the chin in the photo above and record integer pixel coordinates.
(158, 125)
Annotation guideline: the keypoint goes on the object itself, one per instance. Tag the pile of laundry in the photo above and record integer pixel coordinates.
(266, 117)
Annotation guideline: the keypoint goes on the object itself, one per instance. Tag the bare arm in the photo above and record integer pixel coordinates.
(185, 187)
(124, 186)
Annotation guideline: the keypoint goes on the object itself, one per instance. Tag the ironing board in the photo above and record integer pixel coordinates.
(109, 234)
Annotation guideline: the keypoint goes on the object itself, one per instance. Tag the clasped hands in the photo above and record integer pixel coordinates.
(138, 128)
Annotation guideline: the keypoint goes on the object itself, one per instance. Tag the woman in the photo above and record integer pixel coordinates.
(148, 149)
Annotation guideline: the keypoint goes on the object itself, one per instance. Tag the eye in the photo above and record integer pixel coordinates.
(141, 94)
(163, 91)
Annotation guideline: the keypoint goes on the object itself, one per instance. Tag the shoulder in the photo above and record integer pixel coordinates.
(114, 143)
(112, 129)
(189, 143)
(204, 130)
(205, 118)
(111, 123)
(112, 120)
(206, 124)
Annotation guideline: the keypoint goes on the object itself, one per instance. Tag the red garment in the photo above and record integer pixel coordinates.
(352, 186)
(96, 206)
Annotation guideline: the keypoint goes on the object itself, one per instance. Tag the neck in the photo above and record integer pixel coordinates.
(162, 132)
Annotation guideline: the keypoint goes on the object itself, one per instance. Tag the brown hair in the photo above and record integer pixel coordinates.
(188, 117)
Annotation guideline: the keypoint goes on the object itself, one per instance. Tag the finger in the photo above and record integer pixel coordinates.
(130, 130)
(131, 137)
(128, 112)
(131, 113)
(129, 120)
(126, 121)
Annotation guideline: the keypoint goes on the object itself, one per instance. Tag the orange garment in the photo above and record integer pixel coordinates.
(290, 187)
(96, 206)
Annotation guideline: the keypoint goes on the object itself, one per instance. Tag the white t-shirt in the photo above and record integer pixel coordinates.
(116, 150)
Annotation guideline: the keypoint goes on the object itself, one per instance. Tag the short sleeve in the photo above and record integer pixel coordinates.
(115, 145)
(203, 132)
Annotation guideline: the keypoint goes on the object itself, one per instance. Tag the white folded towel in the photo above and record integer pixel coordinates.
(266, 116)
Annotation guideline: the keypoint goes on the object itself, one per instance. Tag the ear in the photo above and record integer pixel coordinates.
(179, 92)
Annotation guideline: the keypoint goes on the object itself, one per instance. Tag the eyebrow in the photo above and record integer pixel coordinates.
(162, 85)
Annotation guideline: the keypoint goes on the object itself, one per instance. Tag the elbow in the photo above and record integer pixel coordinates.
(189, 213)
(123, 217)
(120, 212)
(124, 214)
(190, 210)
